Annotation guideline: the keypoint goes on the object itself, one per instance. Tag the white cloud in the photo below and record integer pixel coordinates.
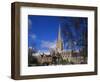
(33, 36)
(48, 44)
(29, 23)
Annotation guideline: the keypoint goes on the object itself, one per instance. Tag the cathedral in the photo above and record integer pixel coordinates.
(64, 54)
(68, 56)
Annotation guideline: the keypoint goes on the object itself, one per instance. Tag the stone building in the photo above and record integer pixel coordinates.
(66, 55)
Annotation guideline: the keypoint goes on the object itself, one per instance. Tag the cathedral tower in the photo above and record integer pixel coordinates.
(59, 44)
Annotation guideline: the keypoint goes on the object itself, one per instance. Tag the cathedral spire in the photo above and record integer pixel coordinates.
(59, 45)
(59, 33)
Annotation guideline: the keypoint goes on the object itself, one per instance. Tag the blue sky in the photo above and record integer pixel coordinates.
(42, 30)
